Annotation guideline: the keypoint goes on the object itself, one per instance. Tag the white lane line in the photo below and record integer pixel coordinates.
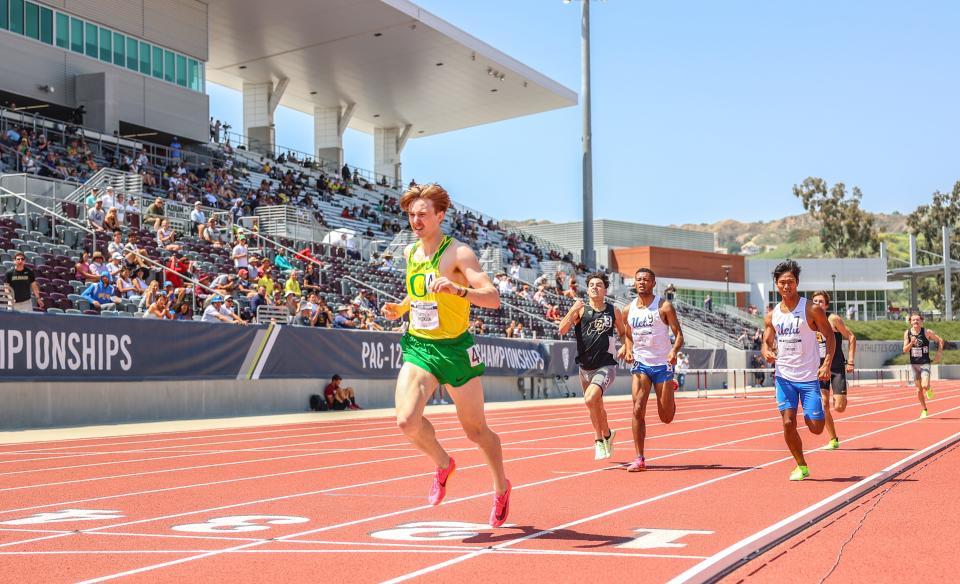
(435, 567)
(485, 550)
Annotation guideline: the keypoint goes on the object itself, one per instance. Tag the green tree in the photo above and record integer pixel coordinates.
(846, 230)
(926, 223)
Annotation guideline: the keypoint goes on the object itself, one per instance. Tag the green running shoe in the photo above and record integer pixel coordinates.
(923, 414)
(930, 393)
(832, 445)
(799, 473)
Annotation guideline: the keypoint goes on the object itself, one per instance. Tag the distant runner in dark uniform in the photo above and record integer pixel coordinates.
(839, 367)
(596, 327)
(916, 342)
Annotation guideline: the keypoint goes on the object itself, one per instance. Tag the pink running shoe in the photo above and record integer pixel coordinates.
(501, 507)
(637, 465)
(439, 488)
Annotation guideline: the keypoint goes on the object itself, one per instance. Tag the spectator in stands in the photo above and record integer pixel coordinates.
(109, 199)
(21, 284)
(198, 218)
(211, 234)
(259, 299)
(744, 339)
(519, 332)
(176, 148)
(155, 213)
(121, 208)
(323, 313)
(214, 312)
(524, 292)
(159, 308)
(572, 291)
(139, 283)
(102, 295)
(115, 265)
(95, 216)
(224, 284)
(511, 328)
(370, 323)
(757, 339)
(266, 280)
(282, 262)
(708, 303)
(125, 287)
(92, 196)
(292, 284)
(82, 270)
(477, 327)
(231, 310)
(134, 254)
(343, 319)
(116, 246)
(553, 313)
(166, 237)
(239, 253)
(305, 317)
(182, 311)
(340, 398)
(111, 221)
(178, 266)
(98, 266)
(364, 301)
(311, 279)
(387, 264)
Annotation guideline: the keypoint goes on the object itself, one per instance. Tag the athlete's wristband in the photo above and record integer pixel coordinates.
(462, 292)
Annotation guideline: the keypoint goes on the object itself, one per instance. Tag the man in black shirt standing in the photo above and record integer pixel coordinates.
(20, 283)
(596, 329)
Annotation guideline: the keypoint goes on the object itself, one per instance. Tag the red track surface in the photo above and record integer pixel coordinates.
(345, 500)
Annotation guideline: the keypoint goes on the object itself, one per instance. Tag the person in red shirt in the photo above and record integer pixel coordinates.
(340, 398)
(177, 266)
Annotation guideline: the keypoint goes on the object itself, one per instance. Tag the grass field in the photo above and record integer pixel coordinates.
(949, 358)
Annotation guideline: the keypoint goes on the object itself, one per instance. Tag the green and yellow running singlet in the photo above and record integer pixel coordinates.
(433, 316)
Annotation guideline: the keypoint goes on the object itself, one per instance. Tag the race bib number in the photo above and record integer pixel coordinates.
(916, 352)
(823, 350)
(424, 316)
(788, 348)
(473, 353)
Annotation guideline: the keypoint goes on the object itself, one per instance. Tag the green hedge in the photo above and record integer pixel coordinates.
(949, 358)
(892, 330)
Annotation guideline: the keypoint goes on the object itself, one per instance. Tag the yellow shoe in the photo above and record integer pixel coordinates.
(799, 473)
(832, 445)
(930, 393)
(923, 414)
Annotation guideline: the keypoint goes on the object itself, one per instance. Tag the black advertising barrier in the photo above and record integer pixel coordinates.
(305, 352)
(37, 347)
(562, 359)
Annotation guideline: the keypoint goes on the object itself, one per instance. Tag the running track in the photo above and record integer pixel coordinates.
(343, 500)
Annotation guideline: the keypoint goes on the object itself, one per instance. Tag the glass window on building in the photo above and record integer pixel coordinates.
(119, 49)
(133, 62)
(144, 58)
(90, 40)
(4, 14)
(158, 62)
(106, 45)
(181, 70)
(46, 25)
(63, 31)
(16, 16)
(696, 297)
(169, 66)
(76, 35)
(31, 20)
(193, 72)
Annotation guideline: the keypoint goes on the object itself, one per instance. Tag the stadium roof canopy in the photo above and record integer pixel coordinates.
(398, 63)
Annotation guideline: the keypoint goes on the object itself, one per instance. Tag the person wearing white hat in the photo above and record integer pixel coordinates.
(198, 218)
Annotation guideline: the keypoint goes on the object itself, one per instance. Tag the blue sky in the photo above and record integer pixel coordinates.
(702, 110)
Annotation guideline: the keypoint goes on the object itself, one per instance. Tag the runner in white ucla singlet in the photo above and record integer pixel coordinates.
(793, 324)
(648, 324)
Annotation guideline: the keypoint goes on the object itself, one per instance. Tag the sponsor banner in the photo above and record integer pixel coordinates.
(321, 353)
(84, 348)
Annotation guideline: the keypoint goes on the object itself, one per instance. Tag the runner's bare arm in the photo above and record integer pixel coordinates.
(846, 333)
(766, 349)
(935, 337)
(907, 343)
(572, 317)
(621, 328)
(480, 292)
(822, 325)
(394, 310)
(669, 315)
(626, 352)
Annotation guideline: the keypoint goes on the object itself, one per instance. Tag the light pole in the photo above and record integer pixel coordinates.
(587, 253)
(726, 277)
(833, 299)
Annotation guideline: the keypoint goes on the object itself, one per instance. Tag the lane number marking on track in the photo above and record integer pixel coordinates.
(239, 523)
(651, 539)
(433, 531)
(66, 515)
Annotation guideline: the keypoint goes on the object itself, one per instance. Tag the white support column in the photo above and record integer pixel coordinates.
(388, 143)
(258, 117)
(947, 275)
(329, 124)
